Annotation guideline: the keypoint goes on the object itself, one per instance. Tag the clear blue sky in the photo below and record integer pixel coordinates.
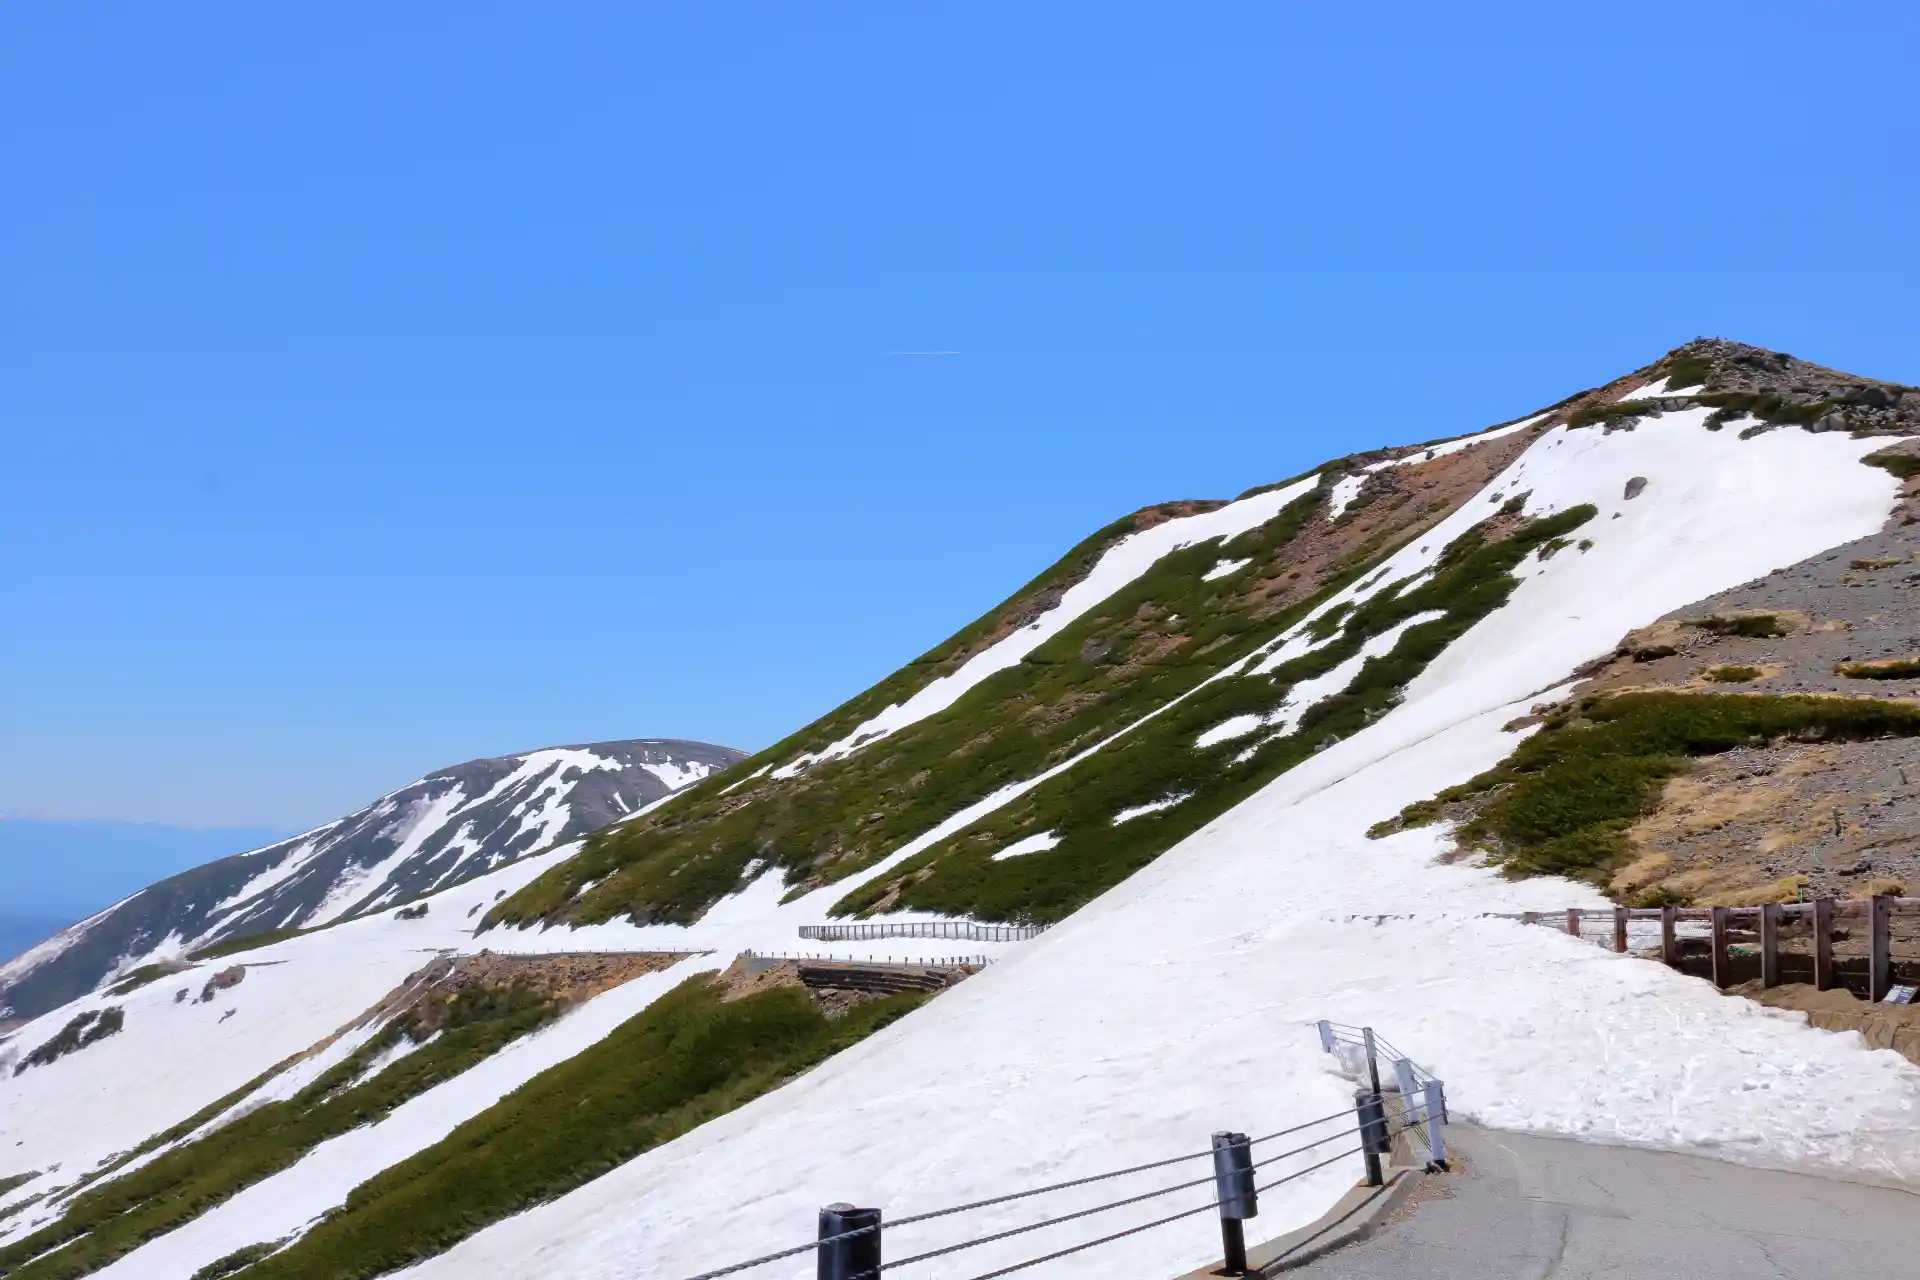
(383, 385)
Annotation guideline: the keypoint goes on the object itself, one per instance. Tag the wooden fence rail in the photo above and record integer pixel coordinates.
(1768, 921)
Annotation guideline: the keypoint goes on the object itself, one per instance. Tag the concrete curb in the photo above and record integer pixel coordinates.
(1353, 1217)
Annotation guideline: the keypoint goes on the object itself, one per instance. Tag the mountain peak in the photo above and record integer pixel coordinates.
(441, 830)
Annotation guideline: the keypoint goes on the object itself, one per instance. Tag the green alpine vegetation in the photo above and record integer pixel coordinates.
(134, 979)
(1563, 802)
(1880, 669)
(1904, 465)
(1142, 647)
(1732, 674)
(112, 1218)
(817, 821)
(1751, 626)
(688, 1057)
(90, 1027)
(1159, 760)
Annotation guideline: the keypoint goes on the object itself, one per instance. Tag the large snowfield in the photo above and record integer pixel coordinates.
(1179, 1003)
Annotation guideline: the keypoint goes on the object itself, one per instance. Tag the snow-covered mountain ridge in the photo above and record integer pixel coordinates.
(441, 830)
(1273, 676)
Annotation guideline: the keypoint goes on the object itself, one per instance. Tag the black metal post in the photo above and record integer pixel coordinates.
(1373, 1060)
(1374, 1140)
(854, 1258)
(1233, 1185)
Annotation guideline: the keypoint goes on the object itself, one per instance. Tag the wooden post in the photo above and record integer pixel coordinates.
(1770, 945)
(1722, 962)
(1880, 928)
(1669, 936)
(1823, 944)
(1573, 922)
(1620, 929)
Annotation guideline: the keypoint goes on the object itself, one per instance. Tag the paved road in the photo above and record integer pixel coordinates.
(1543, 1207)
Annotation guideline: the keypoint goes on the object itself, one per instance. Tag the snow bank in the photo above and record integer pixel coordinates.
(1183, 1000)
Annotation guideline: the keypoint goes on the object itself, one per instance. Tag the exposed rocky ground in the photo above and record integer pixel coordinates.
(1769, 387)
(1786, 820)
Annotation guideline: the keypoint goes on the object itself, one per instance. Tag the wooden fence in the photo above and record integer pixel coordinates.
(1771, 927)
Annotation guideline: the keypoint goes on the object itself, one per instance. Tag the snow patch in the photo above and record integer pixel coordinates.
(1152, 806)
(1028, 844)
(1224, 567)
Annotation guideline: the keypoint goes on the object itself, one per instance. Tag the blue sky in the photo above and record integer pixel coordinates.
(387, 385)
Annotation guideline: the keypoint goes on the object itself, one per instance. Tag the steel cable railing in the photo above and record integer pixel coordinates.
(1377, 1132)
(1033, 1191)
(1130, 1231)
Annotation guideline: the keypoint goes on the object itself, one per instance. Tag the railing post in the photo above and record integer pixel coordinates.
(852, 1258)
(1722, 971)
(1409, 1090)
(1436, 1120)
(1373, 1060)
(1880, 943)
(1374, 1140)
(1233, 1182)
(1823, 944)
(1770, 944)
(1573, 922)
(1620, 930)
(1670, 937)
(1326, 1036)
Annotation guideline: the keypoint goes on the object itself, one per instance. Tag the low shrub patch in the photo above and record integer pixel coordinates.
(1884, 669)
(1904, 465)
(1598, 415)
(134, 979)
(90, 1027)
(1562, 803)
(1688, 371)
(1752, 626)
(1732, 405)
(238, 1260)
(1732, 674)
(246, 942)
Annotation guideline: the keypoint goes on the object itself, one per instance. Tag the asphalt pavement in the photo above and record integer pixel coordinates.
(1521, 1206)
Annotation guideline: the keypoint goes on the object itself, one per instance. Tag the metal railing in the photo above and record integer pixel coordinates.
(849, 1238)
(956, 930)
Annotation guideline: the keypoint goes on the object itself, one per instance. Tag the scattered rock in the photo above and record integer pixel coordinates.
(1634, 486)
(221, 981)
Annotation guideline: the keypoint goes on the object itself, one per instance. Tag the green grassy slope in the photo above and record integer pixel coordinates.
(1148, 645)
(115, 1217)
(1159, 761)
(686, 1058)
(1563, 802)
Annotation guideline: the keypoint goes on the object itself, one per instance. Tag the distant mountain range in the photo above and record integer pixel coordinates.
(68, 869)
(431, 834)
